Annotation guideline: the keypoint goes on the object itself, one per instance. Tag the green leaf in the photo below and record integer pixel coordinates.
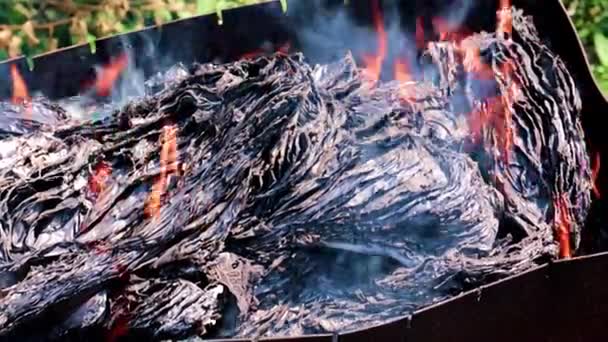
(167, 16)
(184, 14)
(205, 6)
(284, 5)
(601, 47)
(604, 85)
(91, 40)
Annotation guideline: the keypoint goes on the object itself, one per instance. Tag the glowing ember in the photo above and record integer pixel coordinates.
(563, 226)
(109, 74)
(20, 94)
(168, 165)
(373, 63)
(595, 172)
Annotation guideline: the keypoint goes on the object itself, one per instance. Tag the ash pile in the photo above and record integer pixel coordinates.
(270, 197)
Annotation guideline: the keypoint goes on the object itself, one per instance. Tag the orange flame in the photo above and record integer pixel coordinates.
(497, 111)
(20, 94)
(493, 112)
(595, 172)
(109, 74)
(508, 98)
(504, 15)
(563, 223)
(168, 165)
(402, 71)
(486, 114)
(373, 63)
(504, 25)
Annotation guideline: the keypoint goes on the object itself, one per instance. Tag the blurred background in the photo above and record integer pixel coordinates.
(31, 27)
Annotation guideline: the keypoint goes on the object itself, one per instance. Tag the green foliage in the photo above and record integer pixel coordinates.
(591, 20)
(31, 27)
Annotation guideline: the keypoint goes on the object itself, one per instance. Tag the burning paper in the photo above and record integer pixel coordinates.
(311, 202)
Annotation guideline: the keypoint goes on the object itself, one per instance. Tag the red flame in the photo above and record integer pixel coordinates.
(252, 54)
(448, 31)
(441, 27)
(373, 63)
(98, 181)
(420, 43)
(595, 172)
(493, 113)
(20, 94)
(119, 329)
(563, 224)
(283, 49)
(168, 165)
(444, 29)
(109, 74)
(484, 113)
